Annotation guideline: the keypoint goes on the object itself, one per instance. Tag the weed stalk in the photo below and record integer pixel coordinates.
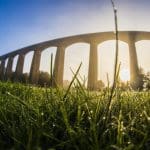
(116, 62)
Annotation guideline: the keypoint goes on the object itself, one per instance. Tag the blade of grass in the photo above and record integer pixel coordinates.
(51, 70)
(72, 81)
(116, 61)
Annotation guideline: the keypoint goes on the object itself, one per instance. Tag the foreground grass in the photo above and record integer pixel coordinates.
(42, 118)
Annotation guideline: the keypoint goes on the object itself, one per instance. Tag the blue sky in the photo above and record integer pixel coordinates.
(25, 22)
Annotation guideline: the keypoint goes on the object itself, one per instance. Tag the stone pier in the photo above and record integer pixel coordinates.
(2, 69)
(59, 66)
(93, 67)
(19, 67)
(8, 73)
(34, 71)
(134, 69)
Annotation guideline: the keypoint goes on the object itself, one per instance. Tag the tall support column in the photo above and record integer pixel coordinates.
(134, 69)
(2, 69)
(19, 67)
(59, 66)
(93, 67)
(34, 71)
(9, 68)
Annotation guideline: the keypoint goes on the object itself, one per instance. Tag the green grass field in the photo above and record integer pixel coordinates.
(34, 118)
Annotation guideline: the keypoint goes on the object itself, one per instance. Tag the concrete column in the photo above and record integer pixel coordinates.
(2, 69)
(59, 66)
(34, 71)
(134, 69)
(93, 67)
(9, 68)
(19, 67)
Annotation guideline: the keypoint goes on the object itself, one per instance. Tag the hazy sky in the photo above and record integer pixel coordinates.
(25, 22)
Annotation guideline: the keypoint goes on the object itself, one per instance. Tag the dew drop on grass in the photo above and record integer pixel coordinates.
(89, 118)
(148, 118)
(129, 142)
(104, 118)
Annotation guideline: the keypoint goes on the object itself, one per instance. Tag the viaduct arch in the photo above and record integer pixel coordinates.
(93, 39)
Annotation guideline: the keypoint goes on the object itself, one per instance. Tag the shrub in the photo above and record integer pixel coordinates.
(44, 79)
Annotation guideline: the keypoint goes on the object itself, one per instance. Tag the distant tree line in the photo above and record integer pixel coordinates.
(143, 82)
(45, 80)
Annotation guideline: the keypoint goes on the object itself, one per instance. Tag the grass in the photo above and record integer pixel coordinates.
(33, 118)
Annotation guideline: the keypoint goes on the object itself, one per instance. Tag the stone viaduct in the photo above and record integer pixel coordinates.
(130, 37)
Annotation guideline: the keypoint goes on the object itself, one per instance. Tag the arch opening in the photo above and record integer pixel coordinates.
(74, 55)
(45, 64)
(15, 63)
(106, 60)
(6, 63)
(27, 62)
(143, 48)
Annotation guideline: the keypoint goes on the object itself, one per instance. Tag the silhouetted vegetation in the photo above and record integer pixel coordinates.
(44, 79)
(100, 85)
(144, 80)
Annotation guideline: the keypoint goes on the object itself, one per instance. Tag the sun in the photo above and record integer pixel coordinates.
(124, 75)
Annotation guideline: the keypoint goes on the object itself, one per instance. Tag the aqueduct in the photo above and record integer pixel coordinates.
(130, 37)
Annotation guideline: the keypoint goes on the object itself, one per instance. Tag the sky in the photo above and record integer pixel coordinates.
(26, 22)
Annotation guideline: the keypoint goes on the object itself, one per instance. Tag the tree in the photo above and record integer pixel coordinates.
(44, 78)
(146, 79)
(100, 85)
